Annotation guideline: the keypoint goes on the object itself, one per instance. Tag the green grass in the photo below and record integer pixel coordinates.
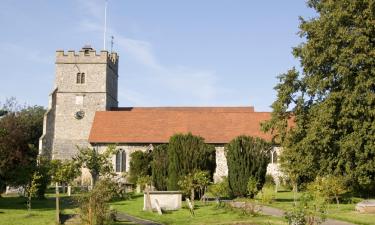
(345, 212)
(204, 214)
(13, 210)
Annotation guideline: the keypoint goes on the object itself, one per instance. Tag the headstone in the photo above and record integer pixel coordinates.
(69, 190)
(366, 206)
(158, 207)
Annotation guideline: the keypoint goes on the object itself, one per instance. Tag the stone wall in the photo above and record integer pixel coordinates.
(63, 131)
(46, 140)
(221, 164)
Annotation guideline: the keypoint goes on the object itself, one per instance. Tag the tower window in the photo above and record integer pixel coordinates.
(121, 161)
(80, 78)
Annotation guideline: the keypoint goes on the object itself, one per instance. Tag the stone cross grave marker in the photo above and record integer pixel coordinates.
(190, 206)
(157, 205)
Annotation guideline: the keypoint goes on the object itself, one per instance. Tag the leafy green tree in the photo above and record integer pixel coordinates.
(44, 177)
(332, 100)
(99, 164)
(20, 129)
(194, 182)
(64, 171)
(329, 187)
(159, 167)
(139, 165)
(246, 157)
(187, 153)
(32, 188)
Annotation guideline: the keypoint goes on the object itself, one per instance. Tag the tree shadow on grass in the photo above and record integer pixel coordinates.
(36, 204)
(284, 200)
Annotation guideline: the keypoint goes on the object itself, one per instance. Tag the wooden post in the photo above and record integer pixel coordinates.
(57, 204)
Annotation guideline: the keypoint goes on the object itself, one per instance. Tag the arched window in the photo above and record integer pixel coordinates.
(80, 78)
(121, 161)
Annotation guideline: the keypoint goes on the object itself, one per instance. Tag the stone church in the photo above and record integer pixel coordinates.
(83, 111)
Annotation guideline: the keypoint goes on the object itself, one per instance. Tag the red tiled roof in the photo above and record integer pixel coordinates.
(156, 125)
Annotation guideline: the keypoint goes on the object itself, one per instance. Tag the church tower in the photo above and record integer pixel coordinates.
(85, 82)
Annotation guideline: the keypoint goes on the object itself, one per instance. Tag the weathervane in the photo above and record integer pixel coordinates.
(112, 43)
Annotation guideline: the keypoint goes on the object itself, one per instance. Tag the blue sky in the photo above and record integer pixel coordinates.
(172, 53)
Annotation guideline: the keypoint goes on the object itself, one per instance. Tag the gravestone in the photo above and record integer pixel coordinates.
(366, 206)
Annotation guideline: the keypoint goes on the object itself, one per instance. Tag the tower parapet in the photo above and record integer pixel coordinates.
(88, 55)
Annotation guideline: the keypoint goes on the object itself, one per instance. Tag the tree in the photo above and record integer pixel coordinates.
(63, 172)
(32, 188)
(187, 153)
(328, 187)
(332, 100)
(159, 167)
(99, 164)
(139, 166)
(246, 157)
(194, 182)
(20, 129)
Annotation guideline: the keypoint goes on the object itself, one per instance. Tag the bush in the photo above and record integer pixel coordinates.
(220, 189)
(309, 210)
(269, 181)
(94, 205)
(159, 167)
(252, 187)
(186, 154)
(246, 157)
(267, 195)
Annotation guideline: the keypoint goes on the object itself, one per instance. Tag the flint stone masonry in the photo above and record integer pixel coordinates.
(62, 131)
(168, 200)
(221, 164)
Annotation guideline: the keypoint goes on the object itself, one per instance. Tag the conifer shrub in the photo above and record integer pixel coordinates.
(186, 154)
(139, 165)
(247, 157)
(159, 167)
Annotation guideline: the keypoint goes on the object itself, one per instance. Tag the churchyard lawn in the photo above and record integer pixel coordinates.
(204, 214)
(345, 211)
(13, 212)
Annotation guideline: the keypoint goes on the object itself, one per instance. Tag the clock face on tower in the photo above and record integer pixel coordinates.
(79, 114)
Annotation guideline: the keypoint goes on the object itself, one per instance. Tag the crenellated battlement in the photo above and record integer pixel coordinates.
(88, 55)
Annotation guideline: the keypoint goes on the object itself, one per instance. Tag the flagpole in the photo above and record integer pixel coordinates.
(105, 24)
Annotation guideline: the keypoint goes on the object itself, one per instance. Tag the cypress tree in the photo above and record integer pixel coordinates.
(159, 167)
(246, 157)
(139, 165)
(186, 154)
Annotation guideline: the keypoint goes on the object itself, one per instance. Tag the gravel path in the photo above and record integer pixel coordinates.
(120, 216)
